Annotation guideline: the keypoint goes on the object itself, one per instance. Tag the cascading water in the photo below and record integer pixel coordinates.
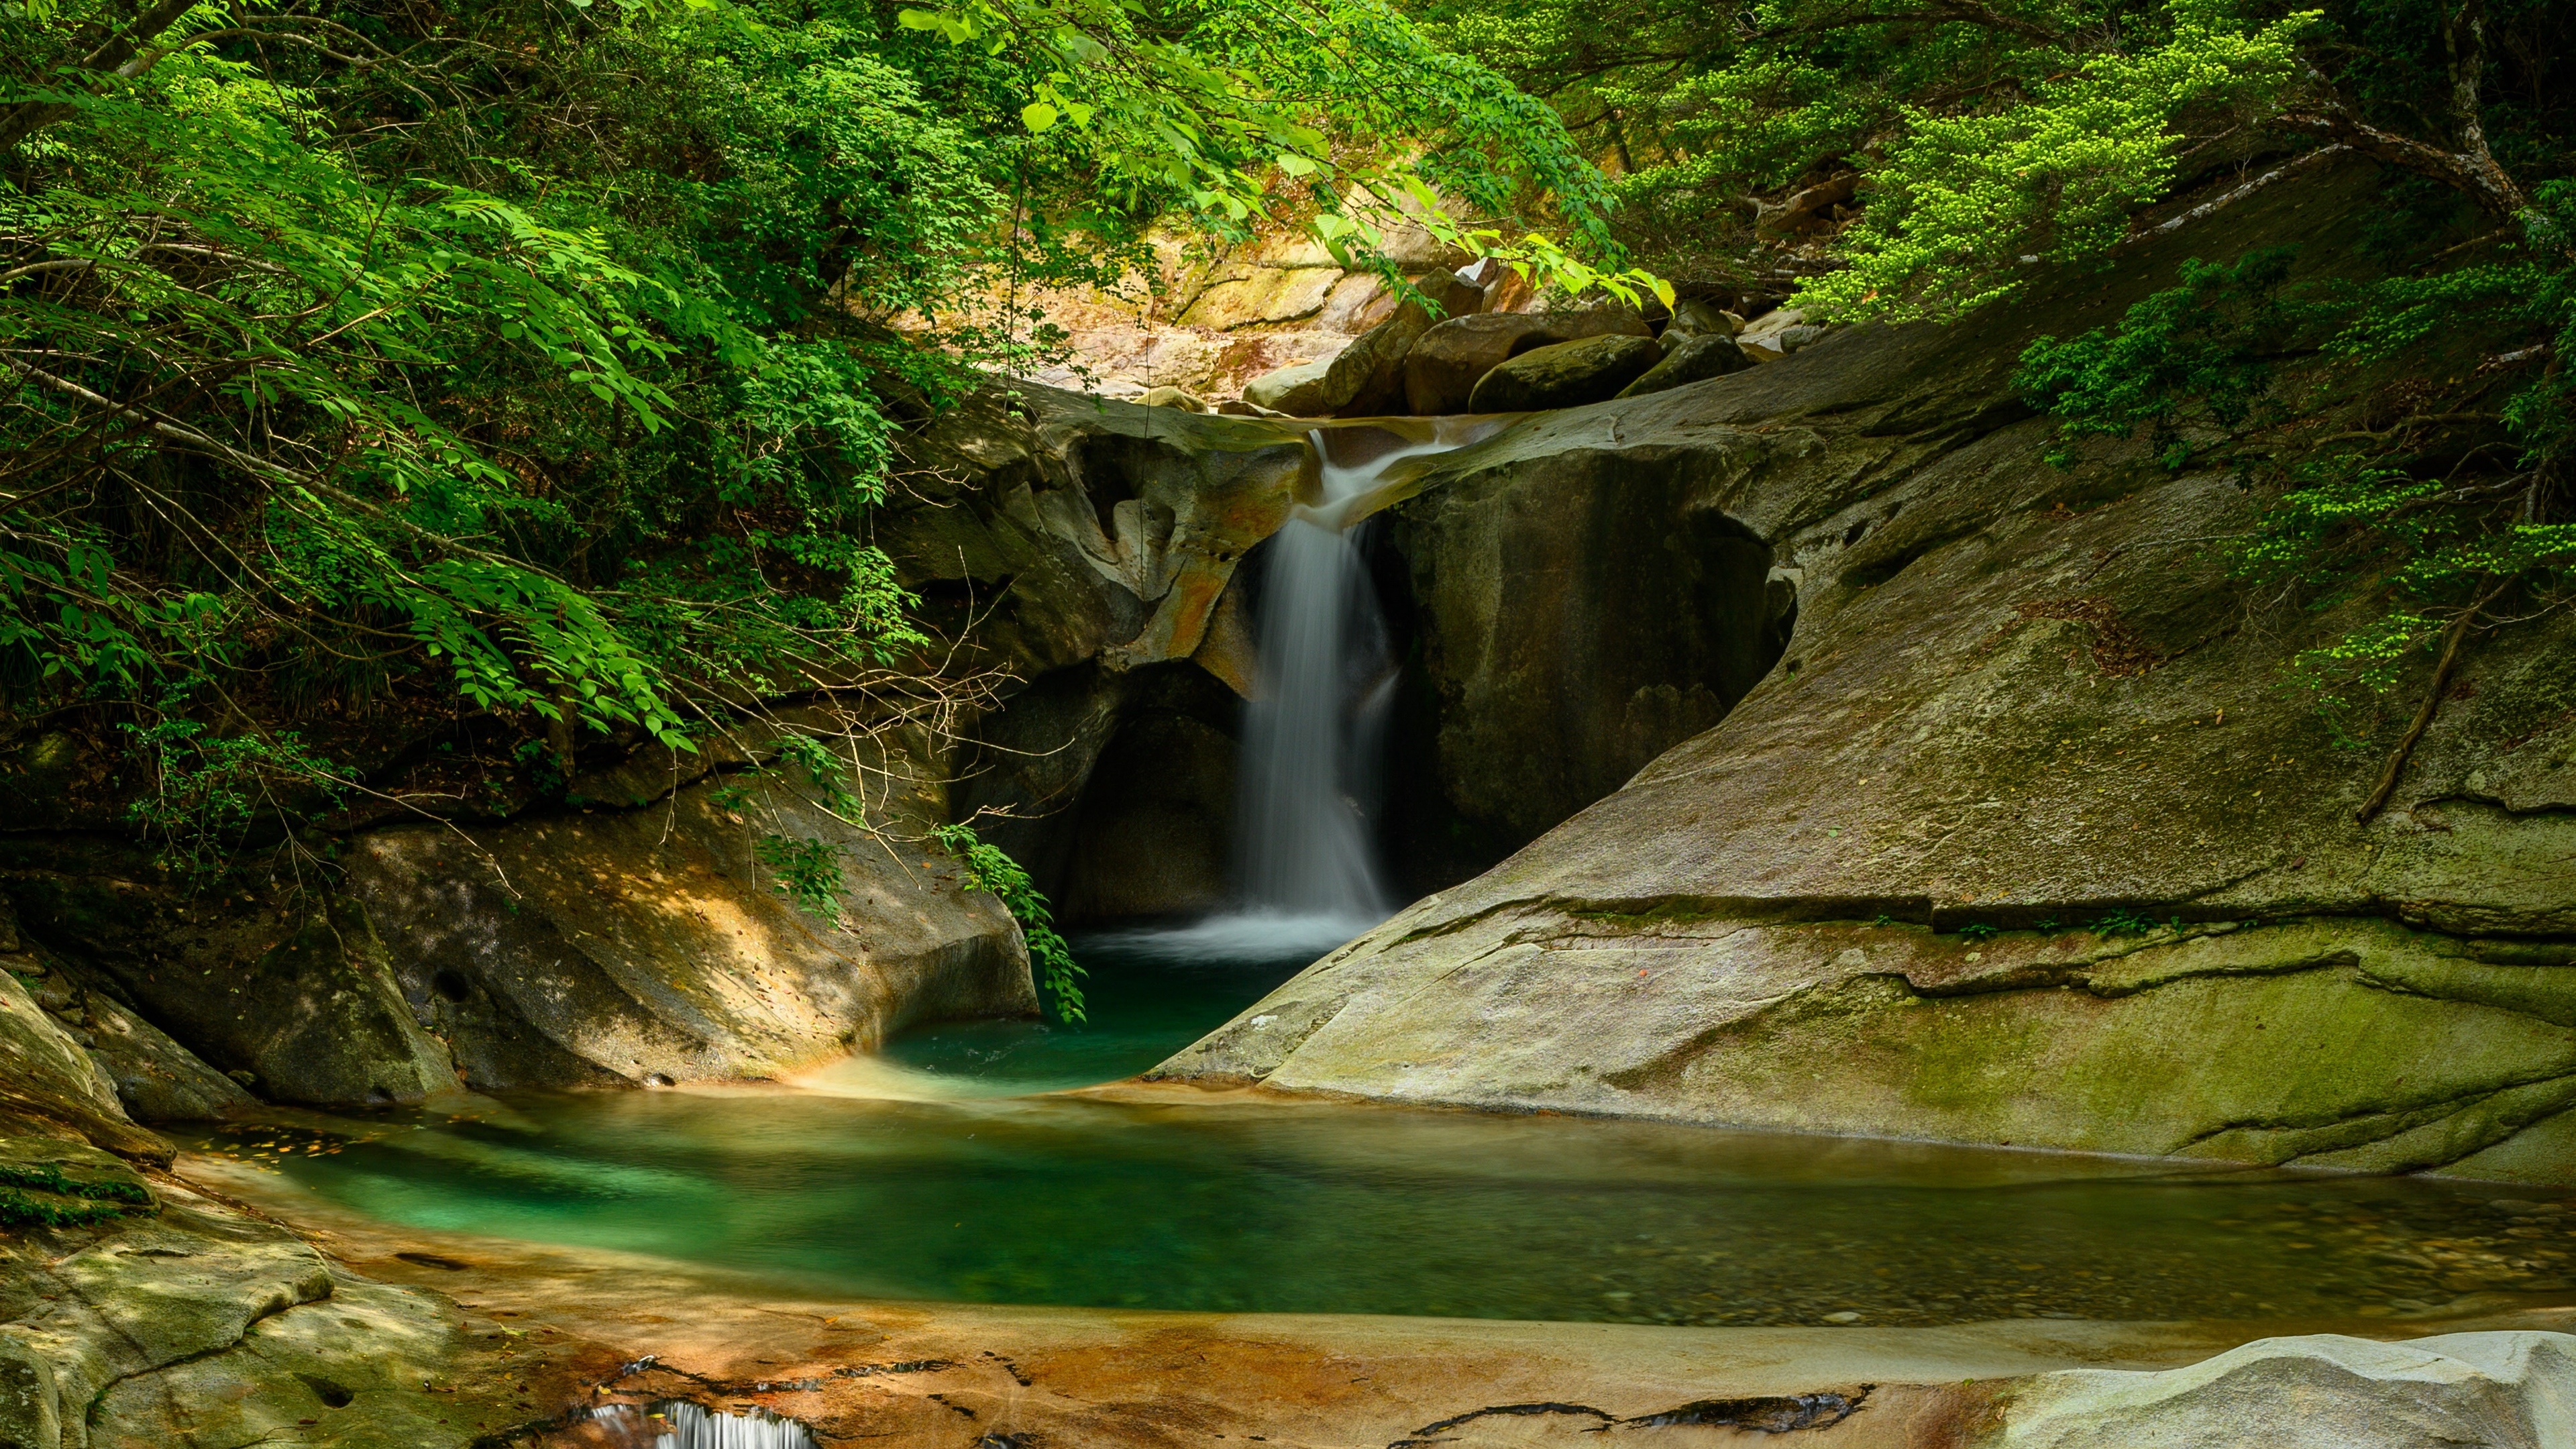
(1318, 725)
(1304, 836)
(682, 1425)
(1314, 731)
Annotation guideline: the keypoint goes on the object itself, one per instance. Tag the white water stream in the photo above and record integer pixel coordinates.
(1314, 732)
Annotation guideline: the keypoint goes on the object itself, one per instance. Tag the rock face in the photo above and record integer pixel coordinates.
(1564, 375)
(2021, 842)
(2505, 1390)
(1574, 618)
(50, 1088)
(1441, 372)
(291, 988)
(1086, 549)
(1155, 824)
(1367, 379)
(630, 946)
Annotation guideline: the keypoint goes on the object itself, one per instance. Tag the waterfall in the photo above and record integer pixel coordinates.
(1325, 683)
(1315, 729)
(679, 1424)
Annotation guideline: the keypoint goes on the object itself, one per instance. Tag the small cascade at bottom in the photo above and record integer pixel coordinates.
(679, 1424)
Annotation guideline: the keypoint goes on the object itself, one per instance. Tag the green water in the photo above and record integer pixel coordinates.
(989, 1197)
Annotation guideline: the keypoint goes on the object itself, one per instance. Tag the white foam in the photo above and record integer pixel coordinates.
(1246, 938)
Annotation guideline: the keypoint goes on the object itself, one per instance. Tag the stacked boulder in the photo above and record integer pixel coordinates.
(1475, 358)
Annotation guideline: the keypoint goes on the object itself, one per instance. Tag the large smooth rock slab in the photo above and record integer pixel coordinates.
(203, 1329)
(2495, 1390)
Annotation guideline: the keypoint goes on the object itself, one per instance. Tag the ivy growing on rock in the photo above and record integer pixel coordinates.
(989, 868)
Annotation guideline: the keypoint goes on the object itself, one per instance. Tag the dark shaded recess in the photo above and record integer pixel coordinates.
(1120, 788)
(1031, 757)
(1424, 842)
(1560, 627)
(1154, 833)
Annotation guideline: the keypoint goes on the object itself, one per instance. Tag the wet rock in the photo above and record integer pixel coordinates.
(2506, 1390)
(1077, 546)
(1690, 358)
(1564, 374)
(1443, 367)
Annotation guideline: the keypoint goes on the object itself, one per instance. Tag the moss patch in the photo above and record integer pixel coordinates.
(63, 1184)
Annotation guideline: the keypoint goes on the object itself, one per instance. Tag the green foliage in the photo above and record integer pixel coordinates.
(24, 1210)
(42, 1195)
(1966, 204)
(550, 359)
(822, 771)
(2357, 515)
(1924, 159)
(1336, 113)
(989, 868)
(1980, 931)
(206, 791)
(2198, 350)
(806, 872)
(2124, 922)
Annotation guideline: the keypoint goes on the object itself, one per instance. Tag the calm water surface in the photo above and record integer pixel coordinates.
(973, 1191)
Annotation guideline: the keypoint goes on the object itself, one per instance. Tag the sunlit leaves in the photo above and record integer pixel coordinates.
(1965, 205)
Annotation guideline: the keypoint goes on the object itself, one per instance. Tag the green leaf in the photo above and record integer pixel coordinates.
(1038, 115)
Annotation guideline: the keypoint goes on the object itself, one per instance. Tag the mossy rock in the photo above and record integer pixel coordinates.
(46, 1183)
(1565, 375)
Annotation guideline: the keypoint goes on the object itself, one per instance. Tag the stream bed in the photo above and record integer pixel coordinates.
(937, 1172)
